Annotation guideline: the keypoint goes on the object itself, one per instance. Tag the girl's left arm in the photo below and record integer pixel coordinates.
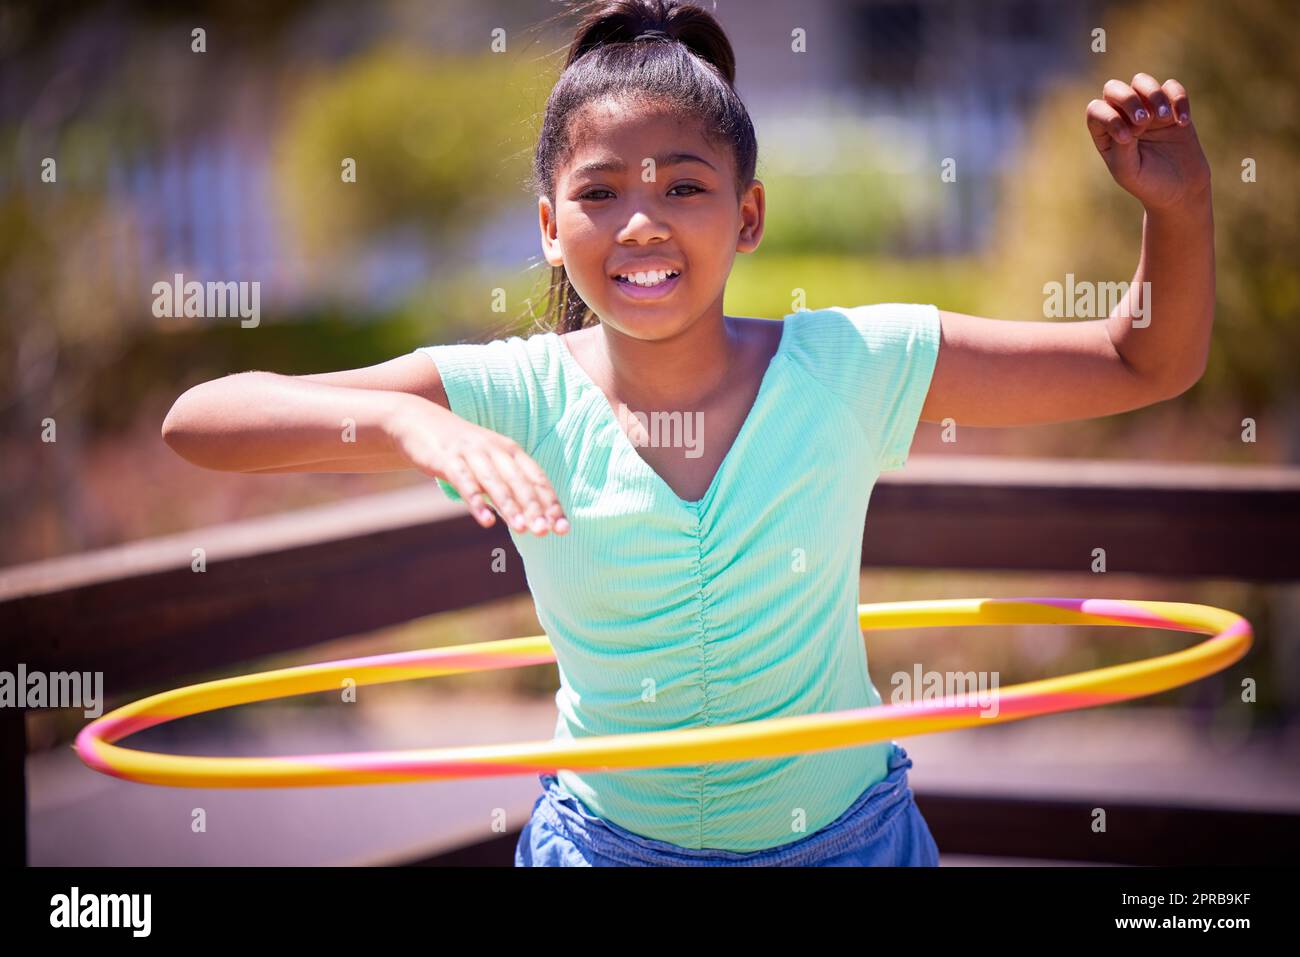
(1155, 343)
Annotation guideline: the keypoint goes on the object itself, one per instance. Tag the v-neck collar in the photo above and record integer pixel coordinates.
(571, 363)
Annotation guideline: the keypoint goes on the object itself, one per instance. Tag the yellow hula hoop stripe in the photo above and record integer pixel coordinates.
(773, 737)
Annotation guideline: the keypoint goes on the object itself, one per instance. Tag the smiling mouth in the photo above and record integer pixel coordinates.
(648, 280)
(652, 286)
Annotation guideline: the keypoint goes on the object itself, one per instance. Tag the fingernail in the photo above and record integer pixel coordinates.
(1162, 111)
(539, 524)
(1182, 117)
(1142, 115)
(561, 524)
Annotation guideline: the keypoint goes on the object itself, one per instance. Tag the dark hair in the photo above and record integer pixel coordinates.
(641, 51)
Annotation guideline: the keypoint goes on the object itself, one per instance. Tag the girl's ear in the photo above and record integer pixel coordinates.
(752, 210)
(550, 239)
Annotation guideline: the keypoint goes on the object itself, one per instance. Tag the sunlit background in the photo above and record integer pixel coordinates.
(225, 166)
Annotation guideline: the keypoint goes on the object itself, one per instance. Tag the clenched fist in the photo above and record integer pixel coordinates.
(1143, 130)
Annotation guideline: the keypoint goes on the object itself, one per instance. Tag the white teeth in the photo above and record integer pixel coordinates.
(652, 278)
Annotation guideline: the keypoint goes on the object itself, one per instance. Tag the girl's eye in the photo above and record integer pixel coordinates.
(591, 193)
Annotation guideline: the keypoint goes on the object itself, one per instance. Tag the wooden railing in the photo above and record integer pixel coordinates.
(140, 614)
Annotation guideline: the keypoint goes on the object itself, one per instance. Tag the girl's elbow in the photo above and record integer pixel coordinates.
(182, 431)
(1196, 369)
(1181, 384)
(173, 425)
(178, 434)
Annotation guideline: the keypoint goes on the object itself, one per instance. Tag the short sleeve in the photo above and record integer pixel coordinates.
(880, 360)
(495, 385)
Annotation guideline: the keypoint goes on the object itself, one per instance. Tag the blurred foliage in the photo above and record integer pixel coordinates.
(762, 283)
(1062, 213)
(439, 141)
(837, 183)
(58, 326)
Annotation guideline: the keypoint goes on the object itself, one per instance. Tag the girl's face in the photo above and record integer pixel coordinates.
(645, 192)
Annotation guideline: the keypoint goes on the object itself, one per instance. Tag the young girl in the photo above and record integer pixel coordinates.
(712, 579)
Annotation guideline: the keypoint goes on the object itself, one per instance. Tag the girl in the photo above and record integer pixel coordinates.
(712, 578)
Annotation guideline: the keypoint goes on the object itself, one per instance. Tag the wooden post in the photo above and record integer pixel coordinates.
(13, 787)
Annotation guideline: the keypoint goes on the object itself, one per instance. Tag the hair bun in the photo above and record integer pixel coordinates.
(636, 21)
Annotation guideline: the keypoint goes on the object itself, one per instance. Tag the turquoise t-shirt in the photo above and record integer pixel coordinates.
(737, 607)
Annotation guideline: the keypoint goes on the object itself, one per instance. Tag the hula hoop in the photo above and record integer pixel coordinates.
(772, 737)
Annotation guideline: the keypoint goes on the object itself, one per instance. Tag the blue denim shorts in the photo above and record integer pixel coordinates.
(883, 827)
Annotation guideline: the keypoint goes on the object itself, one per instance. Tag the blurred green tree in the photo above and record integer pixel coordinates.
(440, 142)
(839, 185)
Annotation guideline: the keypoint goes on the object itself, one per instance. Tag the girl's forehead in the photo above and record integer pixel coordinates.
(608, 127)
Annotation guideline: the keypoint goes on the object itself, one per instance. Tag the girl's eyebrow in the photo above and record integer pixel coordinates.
(616, 165)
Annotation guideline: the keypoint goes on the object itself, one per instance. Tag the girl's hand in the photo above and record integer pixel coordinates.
(1144, 132)
(477, 463)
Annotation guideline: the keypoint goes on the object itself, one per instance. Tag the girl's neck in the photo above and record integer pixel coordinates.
(690, 370)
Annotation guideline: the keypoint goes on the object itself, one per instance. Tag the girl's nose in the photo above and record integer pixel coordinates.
(644, 224)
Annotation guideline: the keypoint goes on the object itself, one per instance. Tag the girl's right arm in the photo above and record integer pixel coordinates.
(390, 416)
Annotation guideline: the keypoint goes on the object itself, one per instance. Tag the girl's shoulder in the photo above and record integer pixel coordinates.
(838, 339)
(877, 359)
(514, 385)
(514, 363)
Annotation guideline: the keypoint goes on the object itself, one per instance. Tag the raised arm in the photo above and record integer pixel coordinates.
(1150, 348)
